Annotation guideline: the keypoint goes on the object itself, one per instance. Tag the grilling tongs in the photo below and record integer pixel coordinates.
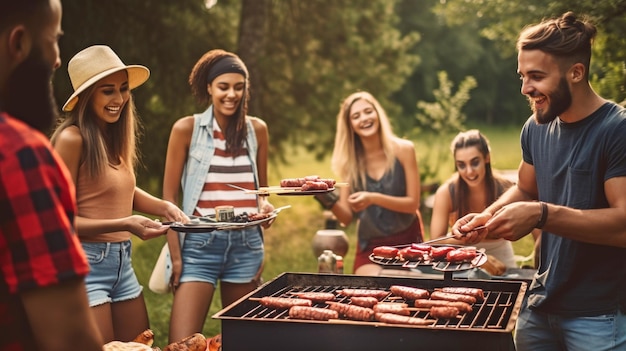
(449, 237)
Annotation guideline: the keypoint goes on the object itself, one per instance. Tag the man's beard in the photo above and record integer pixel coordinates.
(29, 93)
(560, 100)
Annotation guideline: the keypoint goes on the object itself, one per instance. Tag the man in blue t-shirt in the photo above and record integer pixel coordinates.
(571, 184)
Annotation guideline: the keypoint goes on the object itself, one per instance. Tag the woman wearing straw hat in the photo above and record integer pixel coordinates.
(97, 141)
(207, 151)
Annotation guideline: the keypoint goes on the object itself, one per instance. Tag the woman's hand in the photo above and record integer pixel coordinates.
(266, 207)
(174, 214)
(144, 227)
(359, 201)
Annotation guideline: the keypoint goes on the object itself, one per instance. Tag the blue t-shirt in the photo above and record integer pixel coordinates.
(572, 162)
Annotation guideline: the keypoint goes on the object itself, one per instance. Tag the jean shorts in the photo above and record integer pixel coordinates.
(536, 331)
(233, 256)
(112, 277)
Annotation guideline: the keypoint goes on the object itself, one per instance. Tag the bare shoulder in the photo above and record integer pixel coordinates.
(405, 149)
(258, 124)
(70, 137)
(184, 124)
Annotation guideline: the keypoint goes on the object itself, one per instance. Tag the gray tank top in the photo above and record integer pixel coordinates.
(377, 222)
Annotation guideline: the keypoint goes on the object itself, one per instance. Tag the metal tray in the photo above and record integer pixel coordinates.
(208, 226)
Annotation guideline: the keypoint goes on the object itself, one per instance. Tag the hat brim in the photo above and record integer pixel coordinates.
(137, 75)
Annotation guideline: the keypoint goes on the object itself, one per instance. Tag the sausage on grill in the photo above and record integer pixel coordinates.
(283, 302)
(364, 301)
(379, 294)
(398, 319)
(352, 312)
(313, 313)
(460, 255)
(440, 295)
(460, 305)
(385, 251)
(476, 292)
(440, 252)
(409, 293)
(315, 296)
(444, 312)
(390, 307)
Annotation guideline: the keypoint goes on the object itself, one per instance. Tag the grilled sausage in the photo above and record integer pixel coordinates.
(411, 254)
(440, 295)
(385, 251)
(312, 313)
(379, 294)
(460, 255)
(408, 292)
(422, 247)
(292, 182)
(460, 305)
(391, 307)
(314, 185)
(364, 301)
(440, 252)
(398, 319)
(315, 296)
(283, 302)
(476, 292)
(444, 312)
(352, 312)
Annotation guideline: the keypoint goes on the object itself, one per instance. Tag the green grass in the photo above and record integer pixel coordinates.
(288, 241)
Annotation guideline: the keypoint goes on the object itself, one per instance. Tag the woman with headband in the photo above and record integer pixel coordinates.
(207, 151)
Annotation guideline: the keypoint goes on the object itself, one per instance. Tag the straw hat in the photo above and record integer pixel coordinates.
(94, 63)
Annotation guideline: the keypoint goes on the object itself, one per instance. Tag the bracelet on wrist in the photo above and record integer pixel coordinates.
(544, 215)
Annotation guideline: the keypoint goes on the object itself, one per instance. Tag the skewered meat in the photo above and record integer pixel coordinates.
(315, 296)
(477, 293)
(422, 247)
(283, 302)
(195, 342)
(314, 185)
(364, 301)
(444, 312)
(398, 319)
(312, 182)
(385, 251)
(408, 292)
(379, 294)
(460, 305)
(461, 255)
(313, 313)
(390, 307)
(440, 295)
(352, 311)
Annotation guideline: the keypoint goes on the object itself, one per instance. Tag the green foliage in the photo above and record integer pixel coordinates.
(441, 119)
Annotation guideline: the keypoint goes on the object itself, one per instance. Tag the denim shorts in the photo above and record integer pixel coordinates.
(112, 278)
(538, 331)
(233, 256)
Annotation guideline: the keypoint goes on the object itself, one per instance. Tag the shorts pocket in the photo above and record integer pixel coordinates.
(95, 253)
(254, 241)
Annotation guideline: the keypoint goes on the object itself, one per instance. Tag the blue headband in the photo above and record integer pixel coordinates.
(227, 64)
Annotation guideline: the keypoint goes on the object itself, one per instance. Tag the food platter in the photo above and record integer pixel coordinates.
(299, 191)
(208, 224)
(437, 264)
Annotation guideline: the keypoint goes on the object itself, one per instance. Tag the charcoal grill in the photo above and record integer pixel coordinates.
(248, 325)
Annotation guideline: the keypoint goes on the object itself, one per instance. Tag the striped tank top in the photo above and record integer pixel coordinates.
(227, 168)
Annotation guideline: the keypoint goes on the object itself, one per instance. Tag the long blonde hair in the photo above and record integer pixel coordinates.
(348, 160)
(102, 148)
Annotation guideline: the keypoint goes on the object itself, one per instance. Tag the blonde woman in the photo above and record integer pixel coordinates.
(383, 174)
(97, 141)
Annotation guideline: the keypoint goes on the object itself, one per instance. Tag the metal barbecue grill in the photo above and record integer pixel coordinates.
(246, 324)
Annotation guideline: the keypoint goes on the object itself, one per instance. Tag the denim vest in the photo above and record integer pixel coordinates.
(201, 152)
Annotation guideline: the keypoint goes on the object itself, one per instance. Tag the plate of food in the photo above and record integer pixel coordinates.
(205, 224)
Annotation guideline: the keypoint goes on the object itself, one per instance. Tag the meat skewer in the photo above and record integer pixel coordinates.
(364, 301)
(352, 312)
(282, 302)
(379, 294)
(477, 293)
(398, 319)
(315, 296)
(408, 292)
(440, 295)
(312, 313)
(460, 305)
(444, 312)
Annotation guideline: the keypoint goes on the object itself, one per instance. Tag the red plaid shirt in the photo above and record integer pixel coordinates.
(38, 242)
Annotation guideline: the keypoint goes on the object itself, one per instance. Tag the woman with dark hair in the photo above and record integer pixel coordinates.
(206, 152)
(471, 189)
